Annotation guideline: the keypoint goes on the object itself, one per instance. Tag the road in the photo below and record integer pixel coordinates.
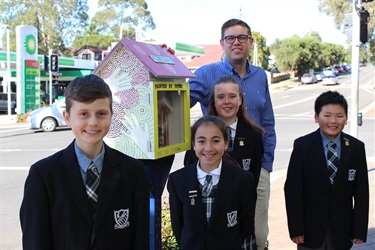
(20, 147)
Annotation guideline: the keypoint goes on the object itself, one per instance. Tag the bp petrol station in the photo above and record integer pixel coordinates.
(30, 80)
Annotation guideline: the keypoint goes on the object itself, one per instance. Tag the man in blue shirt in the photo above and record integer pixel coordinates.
(236, 42)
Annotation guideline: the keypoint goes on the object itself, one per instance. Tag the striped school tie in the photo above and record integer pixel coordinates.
(92, 184)
(207, 186)
(333, 161)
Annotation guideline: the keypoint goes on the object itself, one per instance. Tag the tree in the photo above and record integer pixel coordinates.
(337, 9)
(297, 54)
(94, 40)
(262, 50)
(372, 51)
(92, 37)
(301, 55)
(119, 12)
(57, 21)
(331, 54)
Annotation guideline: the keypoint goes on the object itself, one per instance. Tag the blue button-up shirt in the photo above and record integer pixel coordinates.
(84, 162)
(325, 142)
(254, 87)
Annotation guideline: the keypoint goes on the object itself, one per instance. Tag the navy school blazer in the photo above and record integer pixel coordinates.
(232, 217)
(313, 204)
(55, 212)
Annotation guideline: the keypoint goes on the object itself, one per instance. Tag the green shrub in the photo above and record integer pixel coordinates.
(23, 117)
(168, 241)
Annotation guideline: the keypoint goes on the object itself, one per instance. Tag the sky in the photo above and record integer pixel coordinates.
(198, 22)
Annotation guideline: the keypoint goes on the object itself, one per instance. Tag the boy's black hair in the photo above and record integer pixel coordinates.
(87, 89)
(330, 97)
(234, 22)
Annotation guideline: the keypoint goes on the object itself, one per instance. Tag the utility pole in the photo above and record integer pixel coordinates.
(355, 69)
(9, 83)
(50, 79)
(255, 59)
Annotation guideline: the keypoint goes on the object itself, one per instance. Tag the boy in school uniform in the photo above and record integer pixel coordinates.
(326, 190)
(88, 195)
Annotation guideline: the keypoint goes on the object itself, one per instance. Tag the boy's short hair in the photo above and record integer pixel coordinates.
(234, 22)
(87, 89)
(330, 97)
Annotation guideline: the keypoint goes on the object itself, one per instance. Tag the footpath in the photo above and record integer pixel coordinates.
(278, 229)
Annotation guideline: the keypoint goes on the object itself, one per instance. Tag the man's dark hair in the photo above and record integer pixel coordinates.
(234, 22)
(87, 89)
(330, 97)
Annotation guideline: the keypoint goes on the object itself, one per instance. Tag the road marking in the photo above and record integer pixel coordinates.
(11, 130)
(293, 103)
(14, 168)
(30, 150)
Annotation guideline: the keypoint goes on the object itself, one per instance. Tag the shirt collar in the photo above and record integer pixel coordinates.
(326, 140)
(229, 66)
(215, 173)
(233, 126)
(84, 162)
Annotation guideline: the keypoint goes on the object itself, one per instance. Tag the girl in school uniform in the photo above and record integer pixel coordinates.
(245, 136)
(212, 201)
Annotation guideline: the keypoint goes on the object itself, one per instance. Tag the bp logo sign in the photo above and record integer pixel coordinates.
(30, 44)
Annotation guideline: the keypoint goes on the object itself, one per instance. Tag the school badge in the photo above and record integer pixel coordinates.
(232, 219)
(192, 195)
(347, 142)
(351, 175)
(121, 218)
(246, 164)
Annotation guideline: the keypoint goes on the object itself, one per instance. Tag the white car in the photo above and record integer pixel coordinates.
(48, 118)
(330, 80)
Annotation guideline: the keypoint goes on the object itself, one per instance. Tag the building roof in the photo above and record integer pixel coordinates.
(212, 53)
(159, 60)
(95, 49)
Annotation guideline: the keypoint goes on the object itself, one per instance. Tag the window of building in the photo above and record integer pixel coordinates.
(86, 56)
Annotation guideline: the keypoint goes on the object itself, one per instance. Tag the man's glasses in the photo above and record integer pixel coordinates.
(240, 38)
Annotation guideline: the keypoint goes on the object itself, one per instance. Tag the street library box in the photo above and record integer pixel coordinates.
(151, 103)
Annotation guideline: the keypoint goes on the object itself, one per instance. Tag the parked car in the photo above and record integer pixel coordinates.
(330, 80)
(343, 66)
(330, 71)
(4, 102)
(339, 69)
(48, 118)
(308, 78)
(348, 66)
(319, 75)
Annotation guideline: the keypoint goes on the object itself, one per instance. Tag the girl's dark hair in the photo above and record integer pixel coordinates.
(220, 124)
(241, 114)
